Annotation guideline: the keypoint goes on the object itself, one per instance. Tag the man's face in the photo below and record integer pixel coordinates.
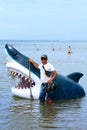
(44, 61)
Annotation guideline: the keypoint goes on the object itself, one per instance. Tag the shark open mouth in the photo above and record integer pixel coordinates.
(24, 81)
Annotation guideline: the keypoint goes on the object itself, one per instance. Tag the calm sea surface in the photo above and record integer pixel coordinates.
(22, 114)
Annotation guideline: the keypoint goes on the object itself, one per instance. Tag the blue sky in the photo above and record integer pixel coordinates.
(43, 19)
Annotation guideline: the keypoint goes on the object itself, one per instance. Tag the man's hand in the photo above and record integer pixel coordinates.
(35, 64)
(52, 78)
(49, 81)
(30, 60)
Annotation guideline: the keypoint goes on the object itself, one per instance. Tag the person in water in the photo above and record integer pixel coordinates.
(45, 65)
(69, 50)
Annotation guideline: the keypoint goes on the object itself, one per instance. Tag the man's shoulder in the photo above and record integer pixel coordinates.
(49, 64)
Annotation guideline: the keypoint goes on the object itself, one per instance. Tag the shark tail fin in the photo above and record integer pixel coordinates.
(75, 76)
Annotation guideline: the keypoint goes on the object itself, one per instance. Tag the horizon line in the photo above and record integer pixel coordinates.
(43, 40)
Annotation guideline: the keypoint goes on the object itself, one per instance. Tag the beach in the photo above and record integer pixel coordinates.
(23, 114)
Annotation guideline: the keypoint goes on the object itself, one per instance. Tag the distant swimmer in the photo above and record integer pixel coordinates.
(53, 49)
(69, 50)
(37, 49)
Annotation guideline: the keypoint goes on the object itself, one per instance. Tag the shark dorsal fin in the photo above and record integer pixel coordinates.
(75, 76)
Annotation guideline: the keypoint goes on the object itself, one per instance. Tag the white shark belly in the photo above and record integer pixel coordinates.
(25, 92)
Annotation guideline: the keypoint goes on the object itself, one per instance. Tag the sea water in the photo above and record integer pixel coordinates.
(23, 114)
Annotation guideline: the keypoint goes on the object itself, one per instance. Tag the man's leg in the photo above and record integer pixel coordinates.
(42, 93)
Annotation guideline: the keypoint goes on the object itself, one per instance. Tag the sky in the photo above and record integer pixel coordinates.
(43, 19)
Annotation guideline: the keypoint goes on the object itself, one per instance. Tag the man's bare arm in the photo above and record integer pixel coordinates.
(35, 64)
(54, 76)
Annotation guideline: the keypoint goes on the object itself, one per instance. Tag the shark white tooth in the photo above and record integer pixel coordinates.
(12, 73)
(22, 76)
(15, 74)
(18, 74)
(26, 78)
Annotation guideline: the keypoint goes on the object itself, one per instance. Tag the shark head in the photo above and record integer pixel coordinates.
(19, 67)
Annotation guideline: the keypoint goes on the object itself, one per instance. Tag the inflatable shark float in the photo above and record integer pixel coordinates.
(18, 66)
